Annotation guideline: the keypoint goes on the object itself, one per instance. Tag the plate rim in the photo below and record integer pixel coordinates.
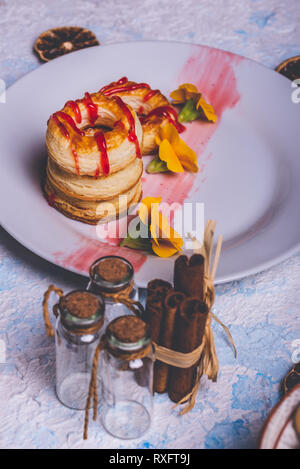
(259, 268)
(147, 41)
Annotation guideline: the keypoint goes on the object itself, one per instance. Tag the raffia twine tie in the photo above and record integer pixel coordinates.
(186, 360)
(93, 392)
(205, 355)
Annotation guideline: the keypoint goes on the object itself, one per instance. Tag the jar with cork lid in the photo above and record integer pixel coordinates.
(78, 329)
(113, 278)
(127, 378)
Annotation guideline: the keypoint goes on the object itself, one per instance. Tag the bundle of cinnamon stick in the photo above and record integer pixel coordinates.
(179, 318)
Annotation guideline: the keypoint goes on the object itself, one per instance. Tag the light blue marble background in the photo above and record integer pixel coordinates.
(262, 311)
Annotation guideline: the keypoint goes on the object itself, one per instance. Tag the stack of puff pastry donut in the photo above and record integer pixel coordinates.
(95, 145)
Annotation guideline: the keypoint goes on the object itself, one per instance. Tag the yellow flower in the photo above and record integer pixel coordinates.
(184, 93)
(174, 151)
(164, 239)
(189, 92)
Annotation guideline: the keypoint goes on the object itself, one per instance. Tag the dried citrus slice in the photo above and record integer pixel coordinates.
(60, 41)
(297, 420)
(290, 68)
(292, 378)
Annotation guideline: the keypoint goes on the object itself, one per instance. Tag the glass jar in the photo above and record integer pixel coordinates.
(113, 276)
(127, 378)
(79, 326)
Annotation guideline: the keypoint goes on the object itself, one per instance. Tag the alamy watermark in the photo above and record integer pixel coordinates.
(178, 220)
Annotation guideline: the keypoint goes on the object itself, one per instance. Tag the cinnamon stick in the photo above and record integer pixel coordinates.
(161, 370)
(189, 331)
(158, 288)
(156, 293)
(189, 276)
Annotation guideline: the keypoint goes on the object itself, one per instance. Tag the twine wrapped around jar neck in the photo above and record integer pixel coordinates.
(119, 297)
(46, 313)
(123, 296)
(89, 329)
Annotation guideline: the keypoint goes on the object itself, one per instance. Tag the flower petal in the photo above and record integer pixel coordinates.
(167, 154)
(166, 232)
(189, 87)
(185, 92)
(164, 249)
(154, 230)
(191, 92)
(147, 206)
(161, 231)
(207, 109)
(190, 166)
(168, 132)
(176, 146)
(178, 96)
(158, 139)
(187, 157)
(169, 241)
(155, 226)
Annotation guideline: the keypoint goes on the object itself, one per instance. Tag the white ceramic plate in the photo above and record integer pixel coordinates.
(279, 431)
(249, 161)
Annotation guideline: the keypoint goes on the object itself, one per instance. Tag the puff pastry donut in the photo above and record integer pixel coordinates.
(94, 147)
(94, 156)
(152, 107)
(90, 211)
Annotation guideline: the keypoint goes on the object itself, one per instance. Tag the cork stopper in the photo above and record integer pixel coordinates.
(112, 269)
(111, 273)
(81, 304)
(128, 332)
(81, 309)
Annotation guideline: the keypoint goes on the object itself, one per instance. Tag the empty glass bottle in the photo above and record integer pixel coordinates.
(113, 278)
(126, 378)
(79, 326)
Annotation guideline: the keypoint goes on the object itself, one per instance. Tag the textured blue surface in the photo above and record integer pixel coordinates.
(262, 311)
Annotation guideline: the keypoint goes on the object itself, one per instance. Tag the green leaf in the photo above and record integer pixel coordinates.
(189, 112)
(137, 243)
(157, 166)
